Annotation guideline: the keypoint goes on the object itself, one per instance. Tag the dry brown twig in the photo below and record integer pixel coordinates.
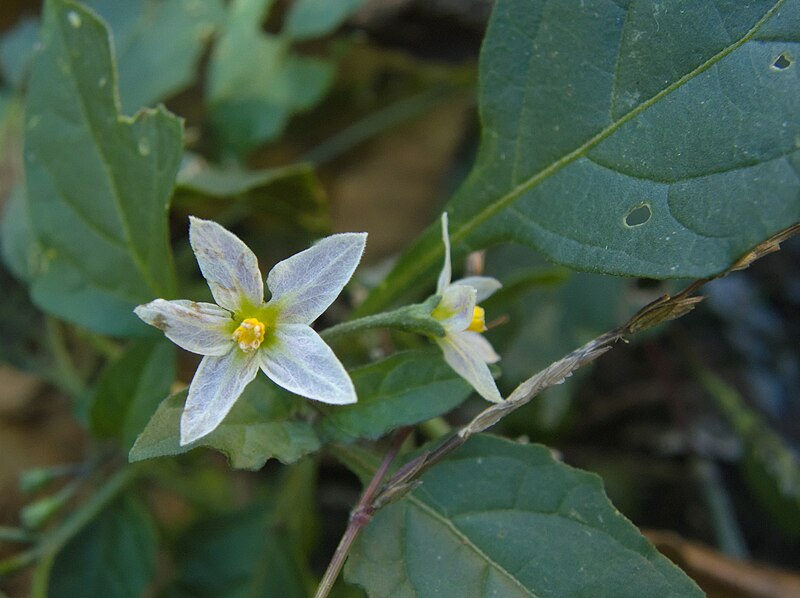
(406, 478)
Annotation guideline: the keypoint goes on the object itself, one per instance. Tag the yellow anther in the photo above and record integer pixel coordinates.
(249, 334)
(478, 323)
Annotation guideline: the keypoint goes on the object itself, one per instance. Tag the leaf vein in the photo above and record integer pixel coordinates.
(467, 541)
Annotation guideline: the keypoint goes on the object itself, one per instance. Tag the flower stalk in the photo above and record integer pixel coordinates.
(410, 318)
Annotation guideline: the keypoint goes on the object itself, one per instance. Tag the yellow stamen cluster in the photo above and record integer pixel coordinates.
(249, 334)
(478, 323)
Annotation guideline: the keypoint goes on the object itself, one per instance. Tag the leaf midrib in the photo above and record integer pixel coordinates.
(467, 541)
(121, 121)
(429, 258)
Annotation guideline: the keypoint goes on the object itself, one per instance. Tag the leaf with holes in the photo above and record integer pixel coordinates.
(649, 138)
(98, 210)
(502, 519)
(261, 426)
(404, 389)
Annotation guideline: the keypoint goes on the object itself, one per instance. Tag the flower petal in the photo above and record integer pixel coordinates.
(305, 284)
(216, 385)
(228, 265)
(479, 346)
(300, 361)
(465, 358)
(485, 286)
(455, 310)
(447, 269)
(202, 328)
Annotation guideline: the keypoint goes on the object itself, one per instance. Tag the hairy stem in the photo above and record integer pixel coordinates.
(411, 318)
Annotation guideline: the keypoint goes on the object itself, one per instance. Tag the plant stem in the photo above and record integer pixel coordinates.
(360, 515)
(410, 318)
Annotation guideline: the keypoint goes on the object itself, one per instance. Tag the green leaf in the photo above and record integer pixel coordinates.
(404, 389)
(98, 183)
(113, 557)
(502, 519)
(245, 554)
(16, 50)
(260, 426)
(130, 389)
(252, 100)
(157, 44)
(679, 116)
(308, 19)
(289, 195)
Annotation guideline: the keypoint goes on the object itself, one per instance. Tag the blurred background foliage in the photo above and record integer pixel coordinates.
(303, 118)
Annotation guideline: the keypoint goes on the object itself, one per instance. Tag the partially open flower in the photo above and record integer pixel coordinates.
(465, 350)
(242, 333)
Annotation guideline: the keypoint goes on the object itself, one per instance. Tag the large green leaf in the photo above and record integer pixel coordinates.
(502, 519)
(98, 183)
(648, 138)
(402, 390)
(260, 426)
(113, 557)
(157, 44)
(130, 389)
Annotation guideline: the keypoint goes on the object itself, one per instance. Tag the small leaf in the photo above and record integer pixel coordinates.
(244, 554)
(651, 138)
(157, 44)
(501, 519)
(98, 183)
(259, 427)
(130, 389)
(112, 557)
(252, 100)
(404, 389)
(308, 19)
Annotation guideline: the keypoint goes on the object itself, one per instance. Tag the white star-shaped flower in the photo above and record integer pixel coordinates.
(242, 333)
(465, 350)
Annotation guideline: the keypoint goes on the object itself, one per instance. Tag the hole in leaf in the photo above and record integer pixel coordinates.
(782, 62)
(638, 215)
